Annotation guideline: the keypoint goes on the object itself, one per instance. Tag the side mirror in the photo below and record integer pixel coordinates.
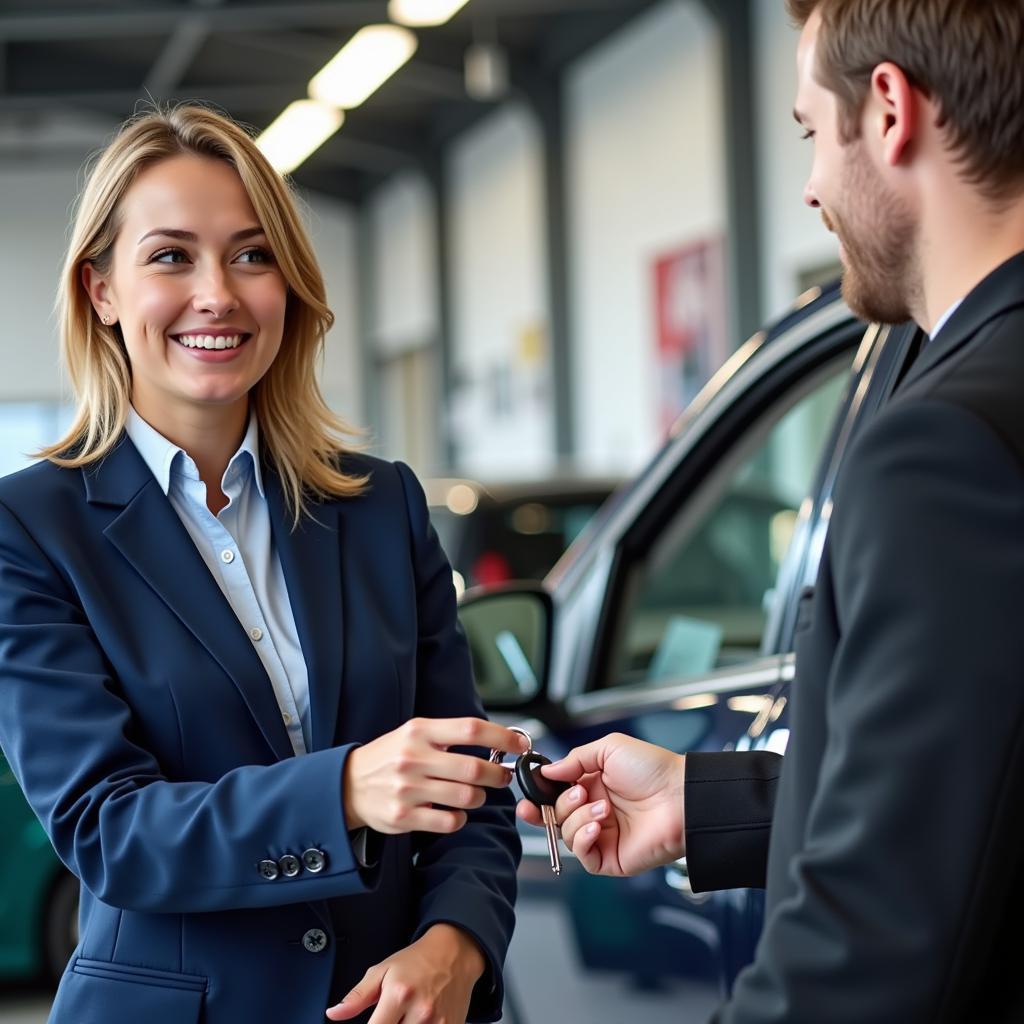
(509, 634)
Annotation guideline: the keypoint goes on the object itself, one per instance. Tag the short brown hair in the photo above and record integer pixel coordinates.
(963, 54)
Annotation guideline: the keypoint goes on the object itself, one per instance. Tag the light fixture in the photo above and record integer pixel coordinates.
(301, 128)
(423, 13)
(362, 65)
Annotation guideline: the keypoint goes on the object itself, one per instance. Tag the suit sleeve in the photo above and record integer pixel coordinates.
(912, 834)
(729, 800)
(467, 879)
(137, 840)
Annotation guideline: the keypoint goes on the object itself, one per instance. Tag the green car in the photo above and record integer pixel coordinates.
(38, 895)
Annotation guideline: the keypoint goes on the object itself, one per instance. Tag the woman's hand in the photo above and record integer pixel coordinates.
(429, 982)
(625, 813)
(393, 783)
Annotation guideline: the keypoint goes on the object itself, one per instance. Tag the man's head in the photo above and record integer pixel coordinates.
(905, 98)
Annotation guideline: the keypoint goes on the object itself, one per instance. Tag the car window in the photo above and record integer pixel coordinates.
(697, 599)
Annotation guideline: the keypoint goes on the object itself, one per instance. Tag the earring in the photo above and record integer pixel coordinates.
(105, 318)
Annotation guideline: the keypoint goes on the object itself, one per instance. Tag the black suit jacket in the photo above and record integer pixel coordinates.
(895, 864)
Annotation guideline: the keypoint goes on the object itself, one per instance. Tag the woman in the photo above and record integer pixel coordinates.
(229, 658)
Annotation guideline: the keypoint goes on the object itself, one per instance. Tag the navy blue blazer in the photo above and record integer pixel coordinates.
(145, 733)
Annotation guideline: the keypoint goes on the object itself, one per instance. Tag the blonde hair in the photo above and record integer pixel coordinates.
(300, 435)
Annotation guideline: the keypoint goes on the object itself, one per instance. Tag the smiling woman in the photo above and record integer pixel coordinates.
(259, 785)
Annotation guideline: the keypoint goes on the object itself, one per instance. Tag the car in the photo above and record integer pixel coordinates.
(497, 532)
(673, 620)
(38, 895)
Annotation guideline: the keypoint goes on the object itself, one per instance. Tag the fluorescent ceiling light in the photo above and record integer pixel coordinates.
(301, 128)
(420, 13)
(362, 65)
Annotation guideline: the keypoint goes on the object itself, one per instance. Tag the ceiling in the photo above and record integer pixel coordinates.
(70, 71)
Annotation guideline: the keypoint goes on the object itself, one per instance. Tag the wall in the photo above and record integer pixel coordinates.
(501, 411)
(644, 146)
(794, 238)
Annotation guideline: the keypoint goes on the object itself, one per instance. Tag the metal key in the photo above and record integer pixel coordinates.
(543, 792)
(539, 790)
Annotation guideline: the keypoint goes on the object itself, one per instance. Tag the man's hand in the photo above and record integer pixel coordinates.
(429, 982)
(625, 813)
(393, 783)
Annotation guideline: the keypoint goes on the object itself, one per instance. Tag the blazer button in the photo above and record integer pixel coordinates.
(315, 860)
(290, 866)
(315, 940)
(268, 869)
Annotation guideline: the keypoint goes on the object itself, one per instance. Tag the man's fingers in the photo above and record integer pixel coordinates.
(472, 732)
(582, 760)
(360, 998)
(581, 818)
(585, 847)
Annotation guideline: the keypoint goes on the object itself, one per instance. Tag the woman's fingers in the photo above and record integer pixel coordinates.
(440, 764)
(469, 732)
(360, 998)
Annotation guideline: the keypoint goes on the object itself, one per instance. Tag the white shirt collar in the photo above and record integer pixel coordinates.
(945, 318)
(162, 456)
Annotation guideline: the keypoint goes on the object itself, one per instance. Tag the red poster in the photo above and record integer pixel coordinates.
(690, 322)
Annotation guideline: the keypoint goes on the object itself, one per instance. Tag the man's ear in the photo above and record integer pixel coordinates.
(97, 286)
(891, 112)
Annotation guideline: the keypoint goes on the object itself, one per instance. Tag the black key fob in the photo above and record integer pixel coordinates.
(537, 788)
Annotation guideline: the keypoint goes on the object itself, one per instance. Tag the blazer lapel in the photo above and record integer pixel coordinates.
(1001, 291)
(149, 534)
(311, 561)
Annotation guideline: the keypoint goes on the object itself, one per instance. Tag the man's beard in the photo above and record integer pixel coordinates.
(881, 280)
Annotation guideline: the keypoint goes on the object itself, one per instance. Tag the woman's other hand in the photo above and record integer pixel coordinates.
(429, 982)
(393, 783)
(625, 813)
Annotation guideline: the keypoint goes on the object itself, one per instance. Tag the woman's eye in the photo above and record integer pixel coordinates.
(255, 255)
(807, 135)
(168, 256)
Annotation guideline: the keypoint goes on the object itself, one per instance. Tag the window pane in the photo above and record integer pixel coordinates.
(699, 598)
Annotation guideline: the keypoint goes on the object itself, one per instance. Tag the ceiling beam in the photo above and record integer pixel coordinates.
(176, 57)
(352, 14)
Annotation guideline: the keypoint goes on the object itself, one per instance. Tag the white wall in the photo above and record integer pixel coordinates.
(502, 413)
(644, 144)
(332, 227)
(794, 238)
(34, 218)
(405, 304)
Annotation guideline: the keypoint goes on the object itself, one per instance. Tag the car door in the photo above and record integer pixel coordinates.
(686, 640)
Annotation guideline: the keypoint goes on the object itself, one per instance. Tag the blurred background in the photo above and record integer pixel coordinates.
(544, 224)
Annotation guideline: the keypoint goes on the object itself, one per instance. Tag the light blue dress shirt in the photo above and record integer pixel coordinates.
(238, 548)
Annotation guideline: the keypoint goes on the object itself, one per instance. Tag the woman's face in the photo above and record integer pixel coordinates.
(195, 288)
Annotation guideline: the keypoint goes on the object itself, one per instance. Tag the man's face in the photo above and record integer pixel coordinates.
(876, 229)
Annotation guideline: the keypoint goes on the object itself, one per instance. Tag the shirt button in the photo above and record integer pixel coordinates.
(227, 556)
(256, 633)
(287, 718)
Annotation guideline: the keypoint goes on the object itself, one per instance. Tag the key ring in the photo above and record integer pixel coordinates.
(496, 755)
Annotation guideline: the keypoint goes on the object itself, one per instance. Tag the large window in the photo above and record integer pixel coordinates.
(699, 597)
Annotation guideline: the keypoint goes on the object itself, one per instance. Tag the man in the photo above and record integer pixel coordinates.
(893, 843)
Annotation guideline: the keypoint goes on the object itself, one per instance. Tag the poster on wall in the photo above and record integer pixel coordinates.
(691, 323)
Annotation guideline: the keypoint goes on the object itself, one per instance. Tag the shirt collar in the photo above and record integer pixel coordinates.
(944, 319)
(160, 454)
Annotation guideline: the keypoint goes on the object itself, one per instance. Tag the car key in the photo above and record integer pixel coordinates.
(538, 789)
(543, 792)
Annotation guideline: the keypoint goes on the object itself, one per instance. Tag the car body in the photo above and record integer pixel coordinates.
(515, 530)
(673, 620)
(38, 895)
